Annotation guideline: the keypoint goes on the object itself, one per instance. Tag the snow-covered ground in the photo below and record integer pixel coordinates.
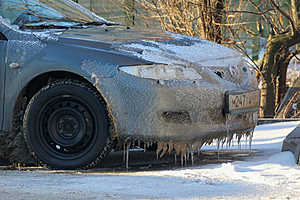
(269, 174)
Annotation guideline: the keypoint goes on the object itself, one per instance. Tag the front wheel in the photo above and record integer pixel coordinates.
(66, 125)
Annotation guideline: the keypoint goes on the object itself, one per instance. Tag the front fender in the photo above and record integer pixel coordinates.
(27, 62)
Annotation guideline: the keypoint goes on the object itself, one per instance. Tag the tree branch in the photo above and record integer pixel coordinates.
(294, 54)
(285, 15)
(262, 13)
(249, 12)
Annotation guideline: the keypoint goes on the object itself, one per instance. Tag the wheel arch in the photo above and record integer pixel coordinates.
(41, 80)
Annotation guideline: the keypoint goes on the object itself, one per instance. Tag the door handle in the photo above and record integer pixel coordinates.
(14, 65)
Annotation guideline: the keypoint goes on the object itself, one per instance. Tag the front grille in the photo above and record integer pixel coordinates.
(181, 117)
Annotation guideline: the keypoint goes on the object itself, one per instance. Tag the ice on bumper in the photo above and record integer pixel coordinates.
(187, 110)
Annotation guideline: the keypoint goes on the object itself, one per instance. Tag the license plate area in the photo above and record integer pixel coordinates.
(241, 102)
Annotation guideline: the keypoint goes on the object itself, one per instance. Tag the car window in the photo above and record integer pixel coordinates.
(20, 12)
(35, 10)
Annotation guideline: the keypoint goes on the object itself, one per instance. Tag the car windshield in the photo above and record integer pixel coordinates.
(30, 13)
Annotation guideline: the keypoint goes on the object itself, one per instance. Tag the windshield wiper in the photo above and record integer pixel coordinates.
(43, 26)
(37, 25)
(95, 23)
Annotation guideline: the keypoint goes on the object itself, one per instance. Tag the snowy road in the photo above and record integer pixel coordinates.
(269, 174)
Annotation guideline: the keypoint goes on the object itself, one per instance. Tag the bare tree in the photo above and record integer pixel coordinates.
(282, 20)
(191, 17)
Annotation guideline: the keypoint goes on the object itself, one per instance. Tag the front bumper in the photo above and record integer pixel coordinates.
(172, 111)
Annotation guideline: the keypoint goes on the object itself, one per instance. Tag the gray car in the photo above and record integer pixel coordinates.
(76, 85)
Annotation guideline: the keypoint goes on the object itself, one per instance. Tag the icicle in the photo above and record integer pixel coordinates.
(198, 147)
(229, 139)
(228, 125)
(192, 150)
(228, 118)
(209, 141)
(127, 156)
(250, 141)
(181, 157)
(164, 150)
(159, 149)
(124, 152)
(139, 143)
(183, 149)
(239, 137)
(192, 158)
(175, 158)
(246, 141)
(171, 147)
(218, 148)
(223, 141)
(177, 149)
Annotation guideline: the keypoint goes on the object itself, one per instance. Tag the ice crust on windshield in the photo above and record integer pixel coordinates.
(43, 35)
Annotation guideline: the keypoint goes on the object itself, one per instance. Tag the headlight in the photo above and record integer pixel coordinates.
(162, 72)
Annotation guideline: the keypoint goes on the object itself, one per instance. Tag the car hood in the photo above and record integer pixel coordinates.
(155, 46)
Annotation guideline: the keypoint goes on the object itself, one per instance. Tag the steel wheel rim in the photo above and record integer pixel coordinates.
(67, 127)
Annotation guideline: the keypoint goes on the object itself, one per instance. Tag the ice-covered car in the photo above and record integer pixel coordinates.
(75, 84)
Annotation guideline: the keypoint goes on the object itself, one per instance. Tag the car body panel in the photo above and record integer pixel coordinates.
(138, 106)
(45, 52)
(141, 43)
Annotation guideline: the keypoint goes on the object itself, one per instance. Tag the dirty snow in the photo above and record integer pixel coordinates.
(268, 174)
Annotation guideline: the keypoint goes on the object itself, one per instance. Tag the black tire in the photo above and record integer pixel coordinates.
(66, 126)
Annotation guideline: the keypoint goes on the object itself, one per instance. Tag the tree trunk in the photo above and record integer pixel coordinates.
(269, 75)
(267, 98)
(273, 68)
(275, 64)
(211, 19)
(217, 20)
(282, 72)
